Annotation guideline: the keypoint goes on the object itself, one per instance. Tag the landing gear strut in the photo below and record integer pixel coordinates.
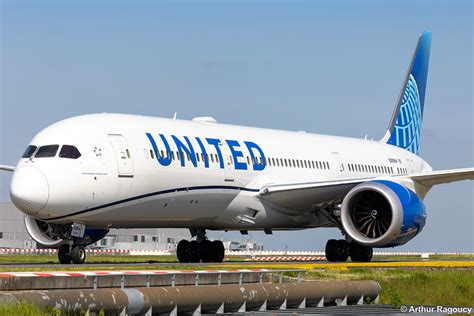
(200, 249)
(68, 253)
(340, 250)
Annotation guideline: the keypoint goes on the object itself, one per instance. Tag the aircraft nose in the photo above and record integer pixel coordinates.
(29, 189)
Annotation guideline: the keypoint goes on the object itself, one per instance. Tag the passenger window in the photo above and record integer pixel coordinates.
(151, 154)
(71, 152)
(30, 150)
(47, 151)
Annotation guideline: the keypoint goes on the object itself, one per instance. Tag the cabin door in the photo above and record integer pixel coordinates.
(229, 172)
(122, 155)
(338, 164)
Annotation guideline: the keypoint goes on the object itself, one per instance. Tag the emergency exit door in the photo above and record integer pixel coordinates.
(122, 155)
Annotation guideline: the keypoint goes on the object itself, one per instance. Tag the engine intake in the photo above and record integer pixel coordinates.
(382, 214)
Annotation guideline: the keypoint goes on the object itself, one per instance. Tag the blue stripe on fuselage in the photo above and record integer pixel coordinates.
(138, 197)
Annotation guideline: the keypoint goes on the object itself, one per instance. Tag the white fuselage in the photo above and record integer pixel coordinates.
(118, 181)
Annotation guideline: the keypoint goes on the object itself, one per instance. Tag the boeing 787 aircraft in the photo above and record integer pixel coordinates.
(84, 175)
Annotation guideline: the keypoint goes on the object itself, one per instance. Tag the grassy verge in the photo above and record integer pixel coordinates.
(417, 258)
(412, 286)
(52, 259)
(27, 309)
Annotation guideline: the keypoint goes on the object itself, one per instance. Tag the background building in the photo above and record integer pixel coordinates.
(14, 235)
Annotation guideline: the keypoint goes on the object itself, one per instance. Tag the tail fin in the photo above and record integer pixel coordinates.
(405, 127)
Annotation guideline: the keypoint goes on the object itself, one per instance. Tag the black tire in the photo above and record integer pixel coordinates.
(360, 253)
(331, 253)
(206, 251)
(182, 251)
(78, 254)
(194, 251)
(63, 254)
(218, 251)
(342, 250)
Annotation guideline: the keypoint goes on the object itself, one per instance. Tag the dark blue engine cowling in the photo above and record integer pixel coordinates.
(382, 213)
(91, 235)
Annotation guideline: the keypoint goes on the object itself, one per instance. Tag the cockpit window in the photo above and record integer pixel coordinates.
(47, 151)
(68, 151)
(30, 150)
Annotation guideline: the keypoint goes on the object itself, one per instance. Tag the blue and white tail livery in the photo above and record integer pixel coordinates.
(405, 127)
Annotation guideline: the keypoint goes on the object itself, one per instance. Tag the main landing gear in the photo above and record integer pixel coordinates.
(340, 250)
(200, 249)
(68, 253)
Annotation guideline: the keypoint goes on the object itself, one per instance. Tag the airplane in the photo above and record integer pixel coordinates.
(84, 175)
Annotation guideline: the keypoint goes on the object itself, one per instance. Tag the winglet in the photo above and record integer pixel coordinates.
(7, 168)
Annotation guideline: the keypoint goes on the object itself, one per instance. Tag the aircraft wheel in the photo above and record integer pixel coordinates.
(331, 253)
(342, 250)
(360, 253)
(182, 251)
(78, 254)
(63, 254)
(206, 251)
(193, 251)
(218, 251)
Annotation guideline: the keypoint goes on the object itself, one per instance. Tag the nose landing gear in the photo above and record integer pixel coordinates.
(68, 253)
(340, 250)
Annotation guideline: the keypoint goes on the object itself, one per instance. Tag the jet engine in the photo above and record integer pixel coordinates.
(382, 214)
(54, 235)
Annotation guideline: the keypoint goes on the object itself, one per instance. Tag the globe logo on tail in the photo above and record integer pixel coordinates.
(407, 128)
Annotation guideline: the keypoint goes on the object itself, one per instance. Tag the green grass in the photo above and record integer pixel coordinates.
(412, 286)
(27, 309)
(417, 258)
(52, 259)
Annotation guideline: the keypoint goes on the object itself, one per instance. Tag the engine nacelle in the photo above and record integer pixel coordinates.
(53, 235)
(382, 213)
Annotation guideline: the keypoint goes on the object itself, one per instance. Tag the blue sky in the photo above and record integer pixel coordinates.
(333, 67)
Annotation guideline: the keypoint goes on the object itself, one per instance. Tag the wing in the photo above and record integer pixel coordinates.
(443, 176)
(7, 168)
(302, 197)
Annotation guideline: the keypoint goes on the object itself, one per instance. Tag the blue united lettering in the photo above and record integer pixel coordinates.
(186, 153)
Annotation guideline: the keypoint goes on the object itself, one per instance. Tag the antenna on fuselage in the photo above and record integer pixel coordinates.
(175, 115)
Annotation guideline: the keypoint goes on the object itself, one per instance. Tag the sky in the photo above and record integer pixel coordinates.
(330, 67)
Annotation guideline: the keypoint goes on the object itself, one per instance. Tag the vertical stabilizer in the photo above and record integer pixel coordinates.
(404, 130)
